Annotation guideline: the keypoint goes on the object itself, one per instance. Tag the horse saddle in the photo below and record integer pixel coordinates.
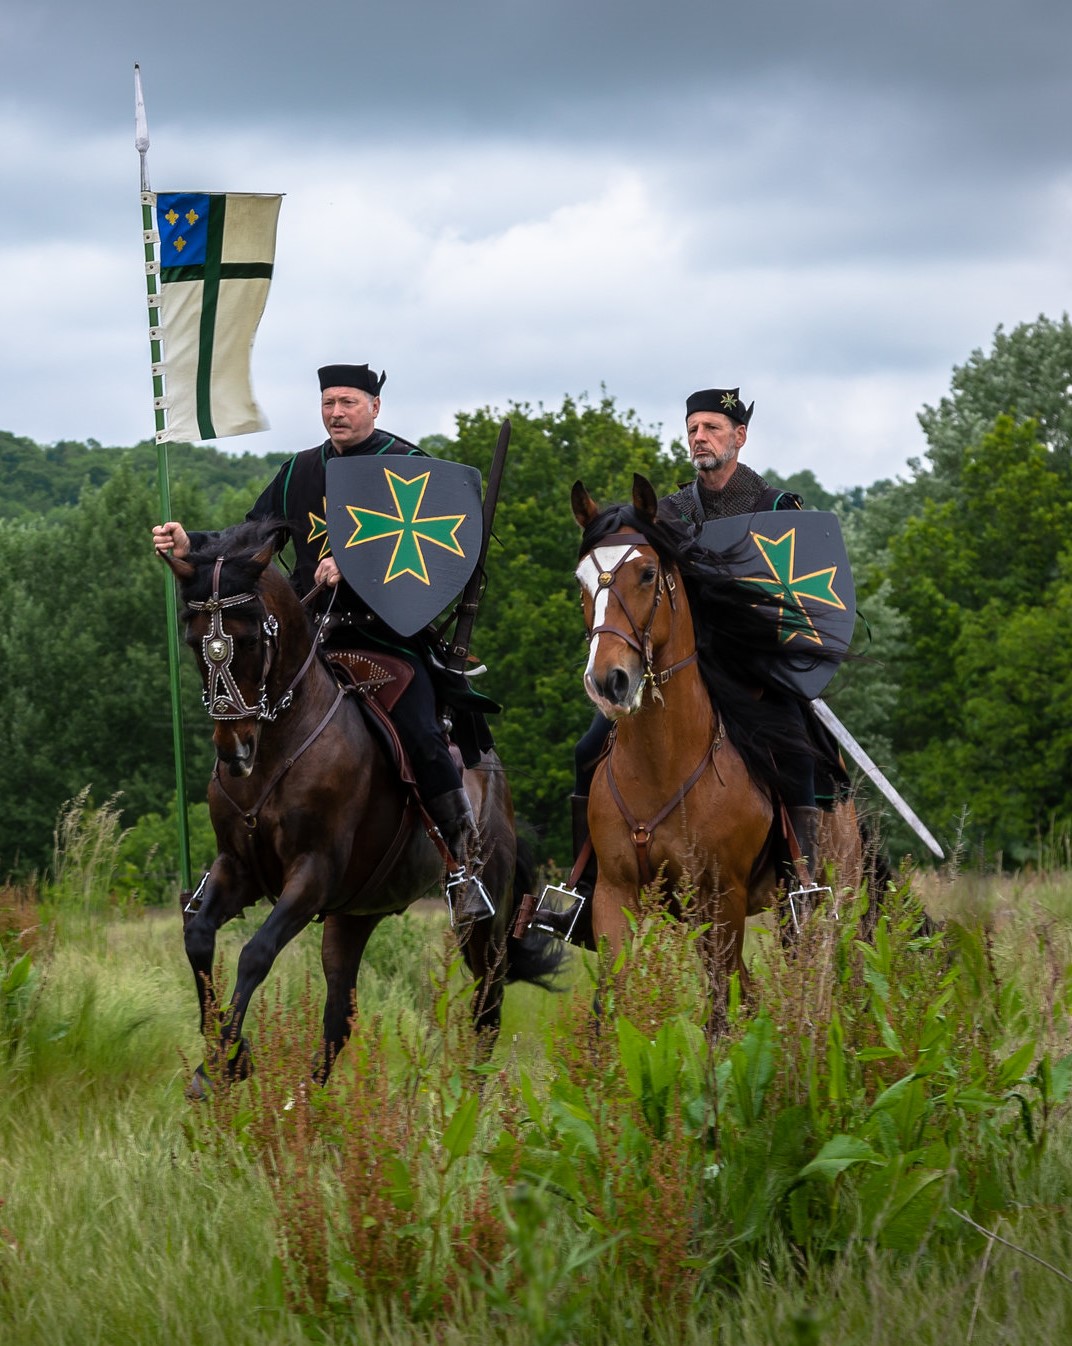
(381, 677)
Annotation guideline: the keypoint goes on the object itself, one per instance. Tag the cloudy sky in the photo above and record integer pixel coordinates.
(828, 202)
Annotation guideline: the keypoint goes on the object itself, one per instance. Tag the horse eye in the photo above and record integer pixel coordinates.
(647, 575)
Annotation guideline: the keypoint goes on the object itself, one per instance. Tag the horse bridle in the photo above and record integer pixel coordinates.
(222, 697)
(640, 640)
(637, 639)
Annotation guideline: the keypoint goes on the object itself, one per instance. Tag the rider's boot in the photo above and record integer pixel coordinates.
(467, 897)
(804, 820)
(575, 923)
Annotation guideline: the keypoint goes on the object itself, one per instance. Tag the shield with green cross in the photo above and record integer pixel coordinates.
(798, 556)
(405, 532)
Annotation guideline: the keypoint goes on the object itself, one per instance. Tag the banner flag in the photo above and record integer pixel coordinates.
(217, 252)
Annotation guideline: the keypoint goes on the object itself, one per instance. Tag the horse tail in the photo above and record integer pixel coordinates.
(536, 957)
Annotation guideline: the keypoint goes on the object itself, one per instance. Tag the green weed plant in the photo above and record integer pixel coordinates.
(24, 954)
(878, 1147)
(871, 1094)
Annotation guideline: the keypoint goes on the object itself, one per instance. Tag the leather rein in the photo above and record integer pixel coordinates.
(640, 640)
(223, 699)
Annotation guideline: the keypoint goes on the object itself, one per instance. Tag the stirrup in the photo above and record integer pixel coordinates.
(461, 883)
(192, 901)
(808, 891)
(543, 918)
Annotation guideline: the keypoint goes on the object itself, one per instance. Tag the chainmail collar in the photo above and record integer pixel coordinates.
(740, 495)
(697, 504)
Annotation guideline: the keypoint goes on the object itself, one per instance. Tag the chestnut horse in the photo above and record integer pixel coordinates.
(309, 809)
(686, 790)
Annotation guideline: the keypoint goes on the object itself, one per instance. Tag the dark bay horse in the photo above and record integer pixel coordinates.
(688, 786)
(309, 810)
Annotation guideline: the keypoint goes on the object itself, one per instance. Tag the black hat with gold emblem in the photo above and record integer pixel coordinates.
(726, 400)
(351, 376)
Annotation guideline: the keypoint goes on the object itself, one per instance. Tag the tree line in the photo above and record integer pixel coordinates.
(963, 570)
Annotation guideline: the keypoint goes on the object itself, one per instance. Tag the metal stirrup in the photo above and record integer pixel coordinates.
(459, 880)
(574, 896)
(808, 891)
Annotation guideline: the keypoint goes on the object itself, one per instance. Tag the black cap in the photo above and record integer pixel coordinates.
(351, 376)
(725, 400)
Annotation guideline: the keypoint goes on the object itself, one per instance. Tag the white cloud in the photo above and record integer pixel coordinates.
(513, 204)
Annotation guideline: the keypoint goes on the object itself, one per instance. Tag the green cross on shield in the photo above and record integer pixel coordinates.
(405, 532)
(800, 557)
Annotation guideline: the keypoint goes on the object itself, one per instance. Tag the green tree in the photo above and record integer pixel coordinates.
(977, 578)
(83, 648)
(36, 480)
(806, 485)
(1026, 375)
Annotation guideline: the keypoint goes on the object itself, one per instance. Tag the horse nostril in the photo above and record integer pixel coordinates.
(617, 685)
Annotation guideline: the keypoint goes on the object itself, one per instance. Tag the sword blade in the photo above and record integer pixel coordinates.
(872, 772)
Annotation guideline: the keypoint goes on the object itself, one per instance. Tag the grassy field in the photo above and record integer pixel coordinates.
(878, 1151)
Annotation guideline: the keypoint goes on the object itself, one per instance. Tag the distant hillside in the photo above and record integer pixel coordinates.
(35, 479)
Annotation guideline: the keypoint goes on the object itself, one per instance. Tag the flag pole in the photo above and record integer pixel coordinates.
(152, 272)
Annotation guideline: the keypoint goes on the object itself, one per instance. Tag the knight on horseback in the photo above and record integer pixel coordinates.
(717, 428)
(350, 404)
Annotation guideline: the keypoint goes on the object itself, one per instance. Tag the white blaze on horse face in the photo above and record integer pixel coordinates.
(600, 561)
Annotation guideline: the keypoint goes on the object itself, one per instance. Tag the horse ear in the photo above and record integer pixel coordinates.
(645, 501)
(265, 554)
(585, 508)
(182, 570)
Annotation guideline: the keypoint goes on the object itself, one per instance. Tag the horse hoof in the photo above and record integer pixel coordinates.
(239, 1065)
(199, 1090)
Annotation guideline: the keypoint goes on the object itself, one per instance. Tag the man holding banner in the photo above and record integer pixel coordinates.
(299, 497)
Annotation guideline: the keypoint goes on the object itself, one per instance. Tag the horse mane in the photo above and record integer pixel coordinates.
(737, 641)
(239, 546)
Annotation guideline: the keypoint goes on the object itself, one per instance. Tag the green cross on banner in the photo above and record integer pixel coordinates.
(217, 253)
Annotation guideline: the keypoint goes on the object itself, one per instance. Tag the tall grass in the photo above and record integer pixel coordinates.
(85, 852)
(808, 1177)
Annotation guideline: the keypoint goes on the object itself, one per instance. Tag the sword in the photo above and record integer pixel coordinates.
(470, 599)
(864, 762)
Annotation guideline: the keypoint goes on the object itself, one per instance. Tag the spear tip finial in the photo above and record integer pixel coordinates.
(141, 126)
